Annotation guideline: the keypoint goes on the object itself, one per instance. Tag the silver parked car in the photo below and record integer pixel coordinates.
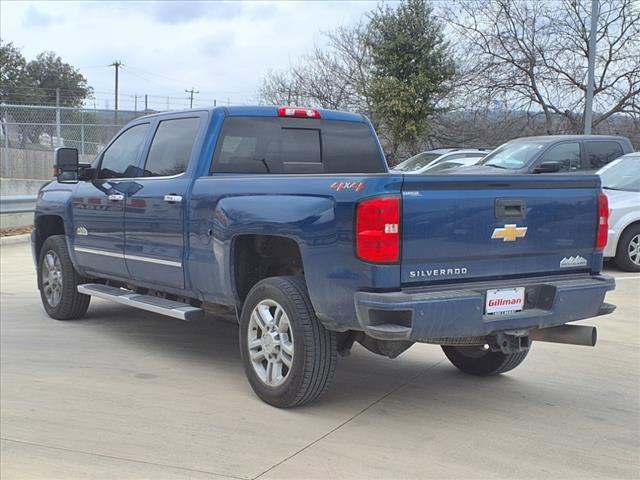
(419, 163)
(621, 184)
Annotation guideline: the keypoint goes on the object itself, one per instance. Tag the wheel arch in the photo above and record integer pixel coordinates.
(631, 224)
(258, 256)
(46, 226)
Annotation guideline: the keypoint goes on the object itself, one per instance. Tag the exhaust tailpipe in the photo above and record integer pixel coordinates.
(571, 334)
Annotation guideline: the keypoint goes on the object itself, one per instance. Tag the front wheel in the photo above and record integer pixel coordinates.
(475, 360)
(288, 356)
(628, 251)
(58, 281)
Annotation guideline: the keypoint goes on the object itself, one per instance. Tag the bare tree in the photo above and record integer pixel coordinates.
(532, 56)
(336, 76)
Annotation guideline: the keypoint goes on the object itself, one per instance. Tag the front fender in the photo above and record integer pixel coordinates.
(55, 199)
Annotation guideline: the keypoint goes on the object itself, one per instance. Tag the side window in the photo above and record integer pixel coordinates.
(171, 147)
(601, 153)
(121, 158)
(566, 154)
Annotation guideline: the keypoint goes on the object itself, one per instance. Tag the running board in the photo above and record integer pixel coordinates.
(150, 303)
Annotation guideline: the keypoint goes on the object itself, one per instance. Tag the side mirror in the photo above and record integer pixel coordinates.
(66, 165)
(547, 167)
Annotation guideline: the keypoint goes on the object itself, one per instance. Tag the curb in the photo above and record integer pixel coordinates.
(15, 239)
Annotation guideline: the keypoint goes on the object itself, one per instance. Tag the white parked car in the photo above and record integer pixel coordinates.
(449, 165)
(420, 162)
(621, 184)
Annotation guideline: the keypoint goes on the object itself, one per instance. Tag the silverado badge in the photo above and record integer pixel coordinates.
(509, 233)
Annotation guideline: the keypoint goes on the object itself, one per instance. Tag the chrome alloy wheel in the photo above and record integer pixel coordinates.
(633, 250)
(52, 278)
(270, 341)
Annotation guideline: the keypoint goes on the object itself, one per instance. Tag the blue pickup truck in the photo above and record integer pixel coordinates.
(288, 220)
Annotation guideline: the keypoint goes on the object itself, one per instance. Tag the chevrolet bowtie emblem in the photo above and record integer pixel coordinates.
(509, 233)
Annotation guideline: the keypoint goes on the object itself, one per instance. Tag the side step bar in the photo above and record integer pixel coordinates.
(150, 303)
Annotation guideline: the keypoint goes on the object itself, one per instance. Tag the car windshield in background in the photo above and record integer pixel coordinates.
(623, 174)
(512, 155)
(441, 167)
(416, 162)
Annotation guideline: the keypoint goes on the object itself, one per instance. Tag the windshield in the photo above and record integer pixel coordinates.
(416, 162)
(512, 155)
(441, 167)
(623, 174)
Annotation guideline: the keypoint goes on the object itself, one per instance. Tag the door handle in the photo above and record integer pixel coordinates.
(116, 197)
(173, 198)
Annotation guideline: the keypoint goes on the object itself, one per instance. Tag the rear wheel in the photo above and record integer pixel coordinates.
(288, 356)
(628, 251)
(475, 360)
(58, 281)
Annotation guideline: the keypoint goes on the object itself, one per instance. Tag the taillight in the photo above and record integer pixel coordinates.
(378, 230)
(603, 221)
(298, 112)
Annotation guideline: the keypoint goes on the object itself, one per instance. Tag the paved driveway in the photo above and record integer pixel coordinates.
(130, 394)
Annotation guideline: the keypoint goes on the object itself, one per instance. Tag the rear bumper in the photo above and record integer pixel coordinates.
(432, 314)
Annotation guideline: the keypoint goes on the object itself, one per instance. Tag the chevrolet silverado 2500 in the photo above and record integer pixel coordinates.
(289, 219)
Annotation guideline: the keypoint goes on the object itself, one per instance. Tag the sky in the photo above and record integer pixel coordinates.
(223, 49)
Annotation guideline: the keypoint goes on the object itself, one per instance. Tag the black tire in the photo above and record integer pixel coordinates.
(475, 361)
(314, 356)
(622, 258)
(71, 304)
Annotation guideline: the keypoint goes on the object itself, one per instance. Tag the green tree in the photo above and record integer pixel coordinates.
(49, 73)
(412, 68)
(15, 84)
(37, 82)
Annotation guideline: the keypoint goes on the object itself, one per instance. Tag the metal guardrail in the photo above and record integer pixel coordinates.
(17, 203)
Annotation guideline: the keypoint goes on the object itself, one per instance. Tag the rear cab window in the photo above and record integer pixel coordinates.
(600, 153)
(296, 146)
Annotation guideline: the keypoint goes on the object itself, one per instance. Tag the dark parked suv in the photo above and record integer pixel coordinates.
(555, 153)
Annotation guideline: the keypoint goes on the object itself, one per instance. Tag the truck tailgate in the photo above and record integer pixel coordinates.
(462, 227)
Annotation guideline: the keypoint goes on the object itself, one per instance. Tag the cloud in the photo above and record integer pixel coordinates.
(36, 18)
(215, 44)
(187, 11)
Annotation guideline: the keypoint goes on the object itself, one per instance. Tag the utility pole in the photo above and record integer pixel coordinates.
(146, 102)
(191, 93)
(135, 103)
(588, 107)
(57, 118)
(117, 64)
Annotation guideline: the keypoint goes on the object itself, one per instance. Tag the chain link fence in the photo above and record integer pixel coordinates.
(44, 128)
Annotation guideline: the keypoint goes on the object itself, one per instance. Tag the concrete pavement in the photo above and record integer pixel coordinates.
(129, 394)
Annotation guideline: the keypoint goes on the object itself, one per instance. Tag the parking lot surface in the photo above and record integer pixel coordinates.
(130, 394)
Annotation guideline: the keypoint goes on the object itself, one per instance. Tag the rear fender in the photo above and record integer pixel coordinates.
(309, 221)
